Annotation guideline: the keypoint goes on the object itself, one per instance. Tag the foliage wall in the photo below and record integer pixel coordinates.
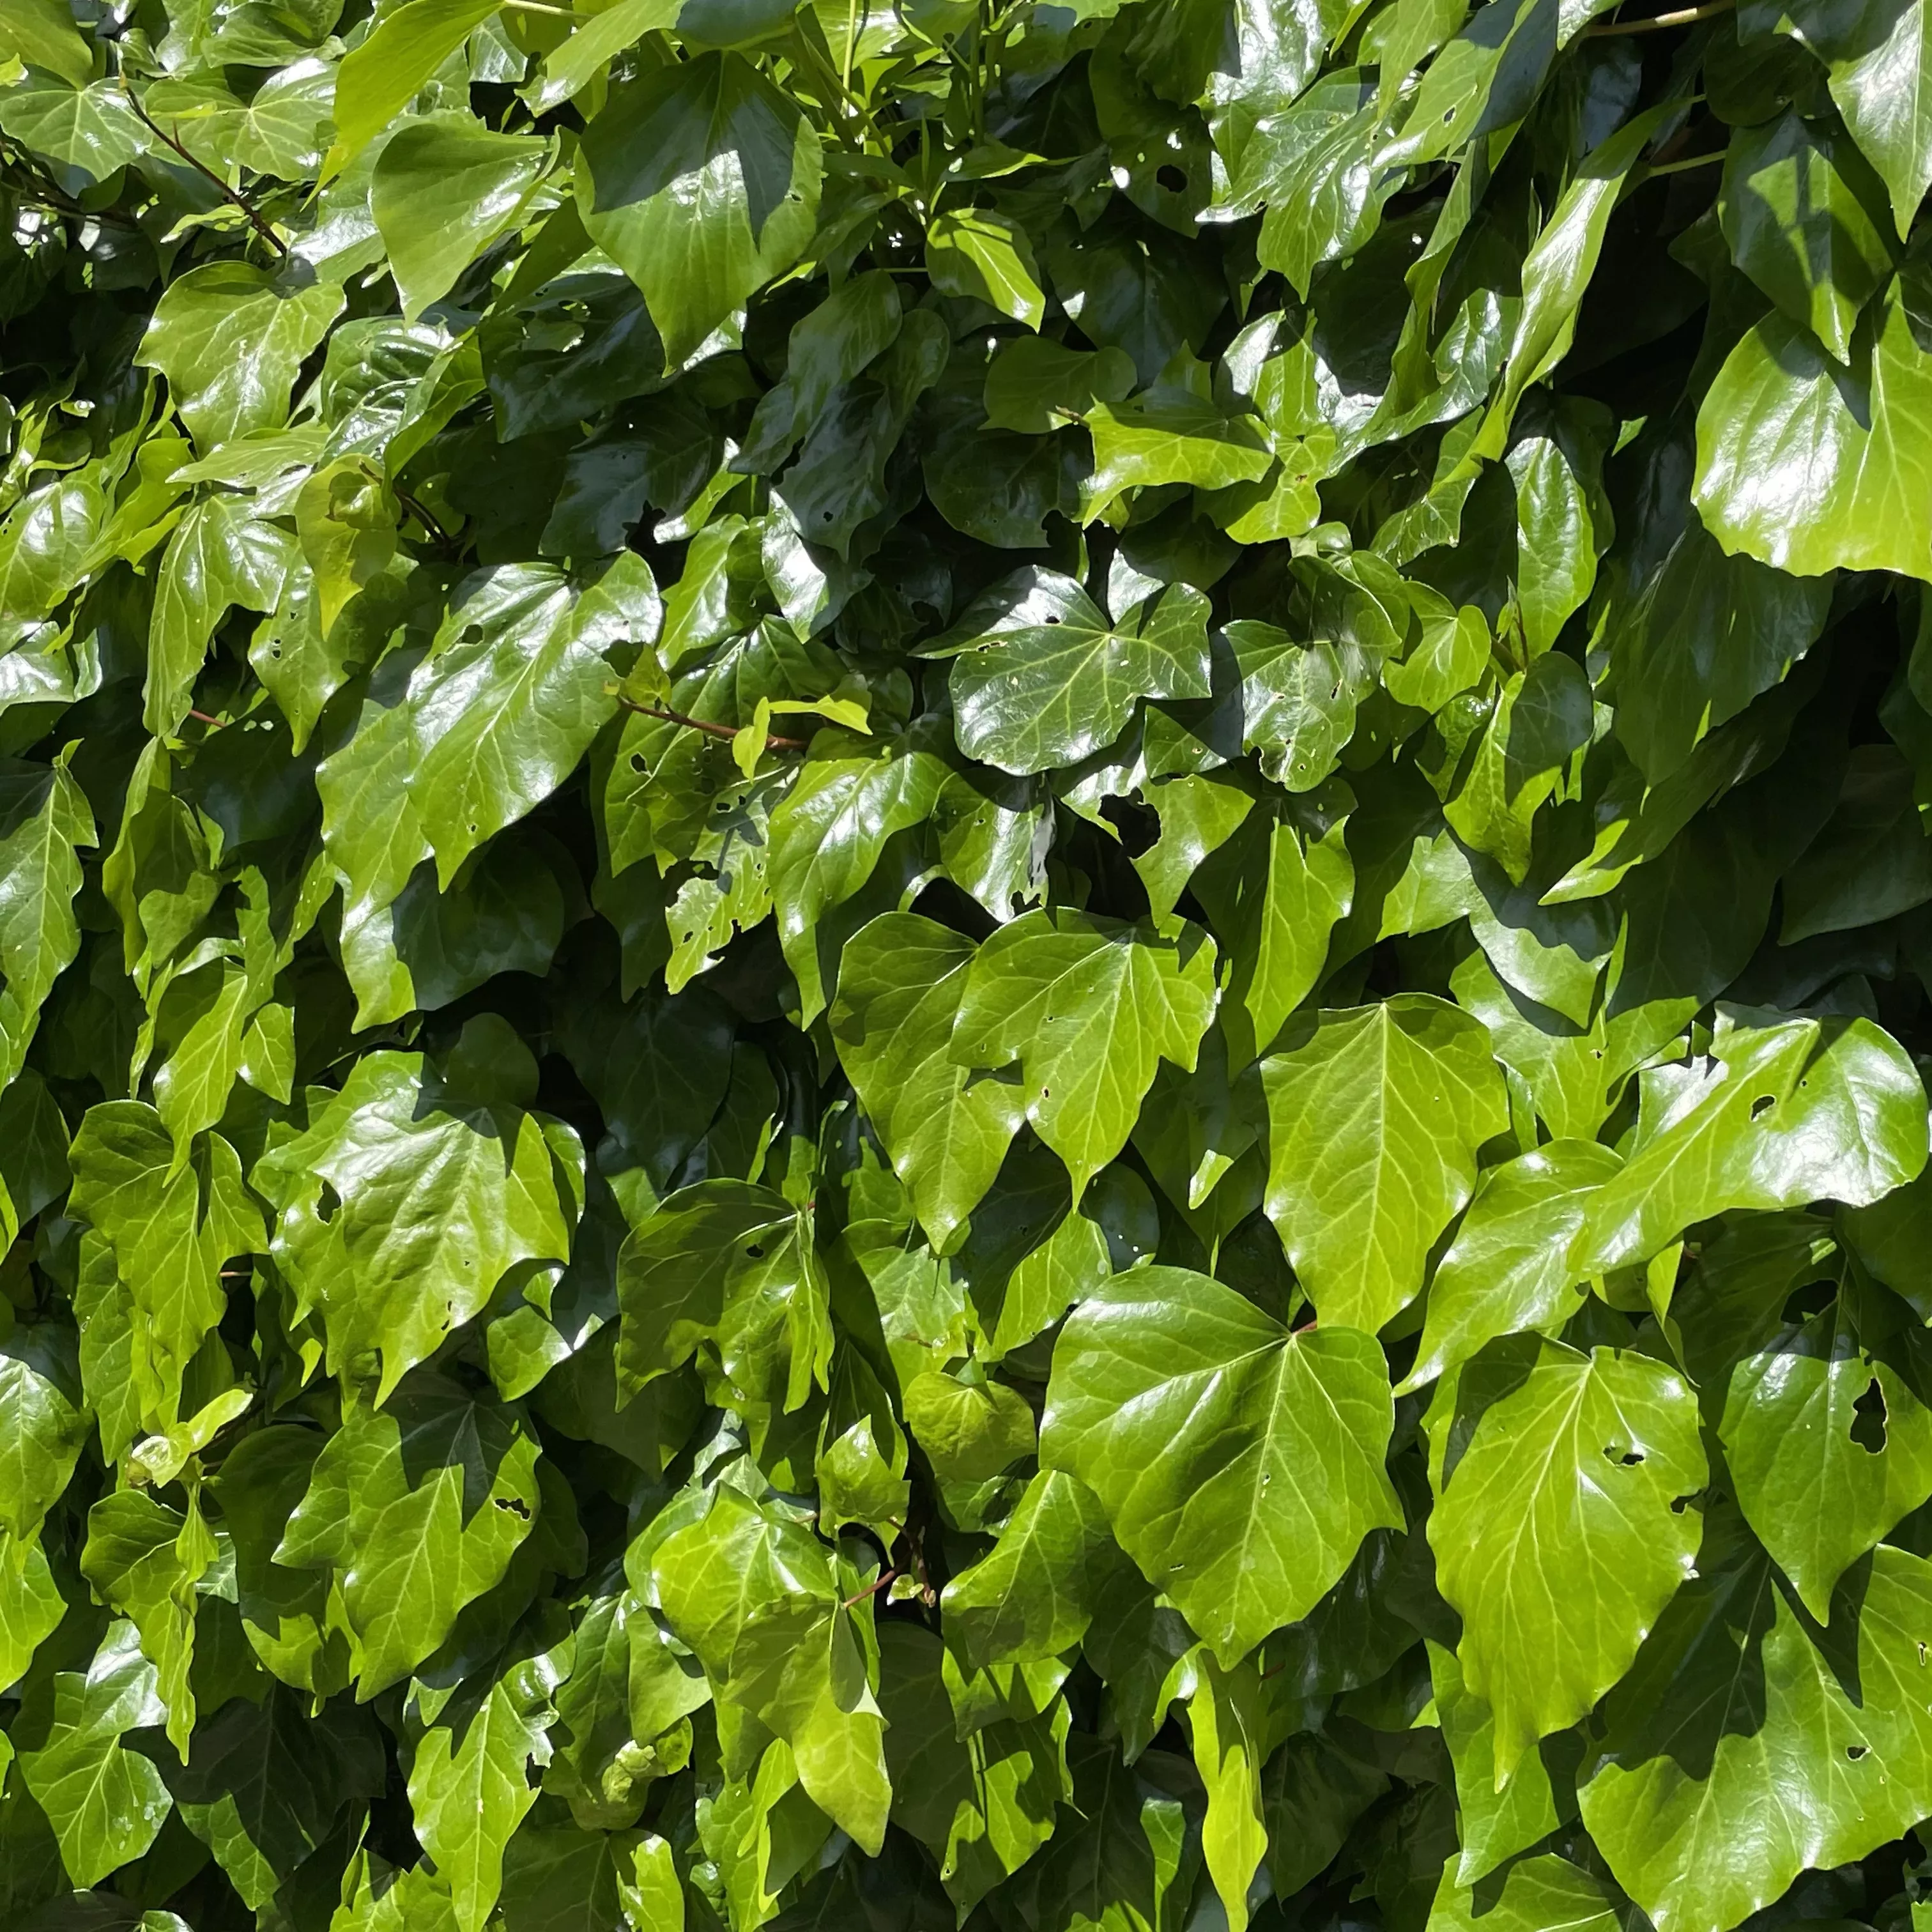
(959, 967)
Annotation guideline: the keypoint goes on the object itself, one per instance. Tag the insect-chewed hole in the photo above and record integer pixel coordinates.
(1868, 1419)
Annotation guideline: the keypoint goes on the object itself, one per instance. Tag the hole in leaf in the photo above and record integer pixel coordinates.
(1812, 1299)
(755, 1251)
(1761, 1106)
(1172, 178)
(1627, 1458)
(1855, 1752)
(515, 1505)
(1868, 1419)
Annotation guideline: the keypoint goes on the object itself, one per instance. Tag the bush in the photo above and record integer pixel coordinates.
(961, 966)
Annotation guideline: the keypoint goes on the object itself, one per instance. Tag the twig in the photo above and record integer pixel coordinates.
(538, 7)
(233, 196)
(1683, 17)
(871, 1589)
(773, 743)
(203, 718)
(421, 512)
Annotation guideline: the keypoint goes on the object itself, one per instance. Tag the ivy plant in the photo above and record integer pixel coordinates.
(963, 964)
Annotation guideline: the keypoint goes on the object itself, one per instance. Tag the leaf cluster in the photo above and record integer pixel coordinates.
(963, 964)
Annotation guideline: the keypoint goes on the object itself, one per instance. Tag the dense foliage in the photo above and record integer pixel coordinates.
(960, 965)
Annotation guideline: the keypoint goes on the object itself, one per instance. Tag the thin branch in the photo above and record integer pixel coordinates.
(1683, 17)
(421, 512)
(203, 718)
(233, 196)
(773, 743)
(538, 7)
(871, 1589)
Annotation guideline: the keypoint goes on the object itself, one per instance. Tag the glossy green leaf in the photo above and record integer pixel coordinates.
(1240, 1465)
(1375, 1116)
(1582, 1472)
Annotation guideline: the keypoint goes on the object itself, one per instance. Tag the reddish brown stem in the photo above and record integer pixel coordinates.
(773, 743)
(871, 1589)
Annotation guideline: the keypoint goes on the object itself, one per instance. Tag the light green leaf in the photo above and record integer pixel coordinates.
(440, 1195)
(1811, 469)
(1088, 1007)
(984, 257)
(1033, 1596)
(1736, 1753)
(1240, 1466)
(731, 1267)
(1376, 1115)
(469, 1780)
(900, 981)
(1508, 1270)
(105, 1802)
(418, 1507)
(380, 77)
(1782, 1112)
(444, 188)
(1564, 1531)
(1820, 1472)
(229, 337)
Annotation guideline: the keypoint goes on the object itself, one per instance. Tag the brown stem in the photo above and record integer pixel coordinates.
(1683, 17)
(232, 195)
(203, 718)
(773, 743)
(871, 1589)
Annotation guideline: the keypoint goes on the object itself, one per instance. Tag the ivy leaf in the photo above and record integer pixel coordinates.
(1734, 1756)
(1041, 678)
(264, 1785)
(1800, 474)
(469, 1786)
(900, 982)
(1819, 1476)
(979, 253)
(1033, 1597)
(1507, 1272)
(170, 1226)
(501, 714)
(1797, 224)
(44, 822)
(1240, 1466)
(1088, 1007)
(419, 1508)
(1581, 1470)
(48, 1421)
(443, 1194)
(444, 188)
(1545, 1891)
(1780, 1113)
(229, 337)
(733, 1267)
(145, 1561)
(1376, 1115)
(106, 1803)
(760, 1603)
(702, 183)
